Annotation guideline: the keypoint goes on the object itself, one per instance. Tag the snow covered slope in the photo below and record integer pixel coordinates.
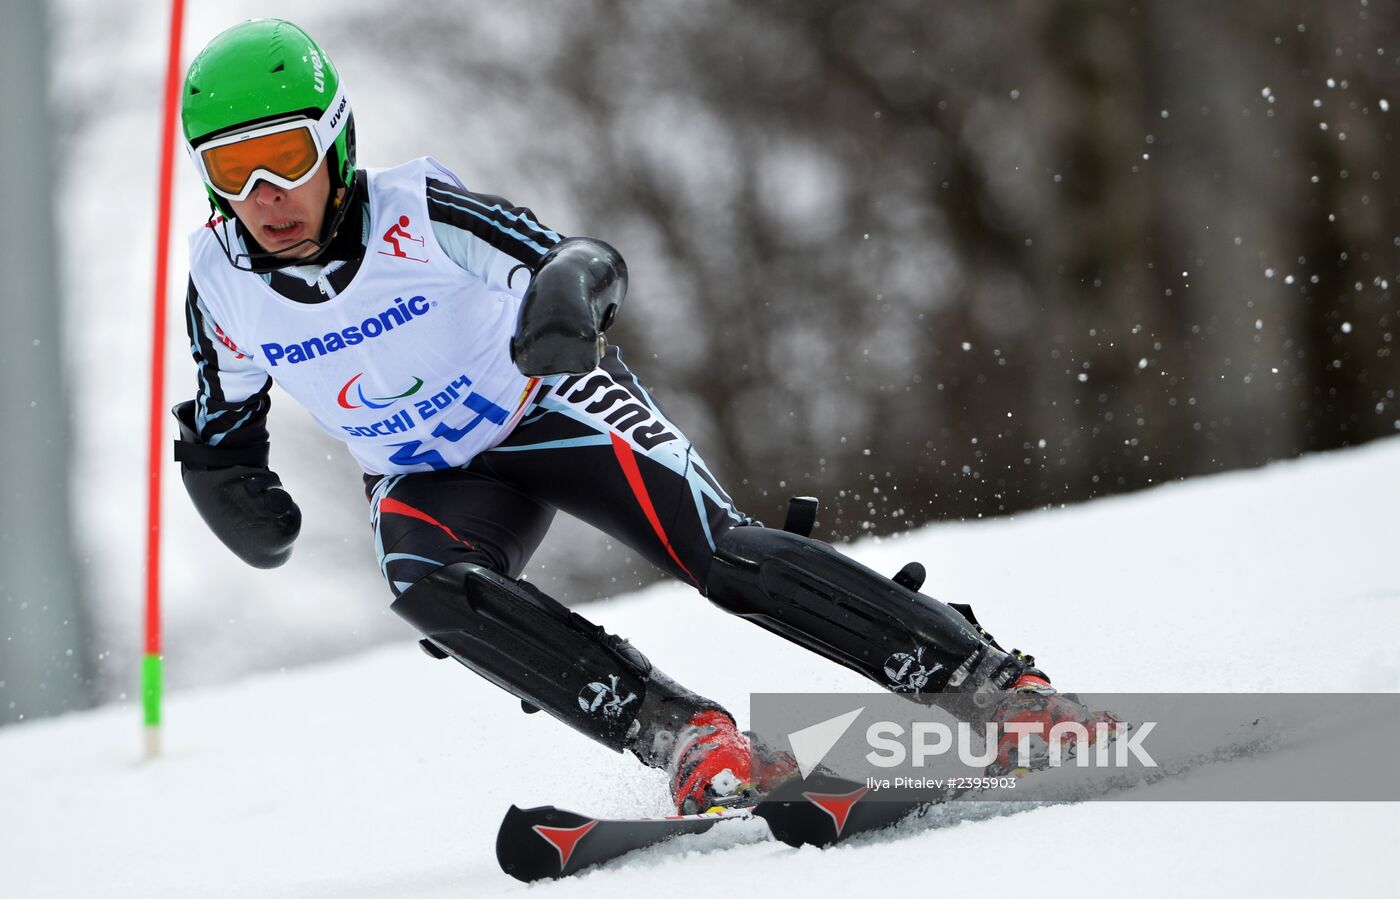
(385, 775)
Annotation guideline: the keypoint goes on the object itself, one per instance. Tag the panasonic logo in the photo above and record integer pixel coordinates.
(401, 313)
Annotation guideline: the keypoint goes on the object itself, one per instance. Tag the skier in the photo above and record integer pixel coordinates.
(456, 346)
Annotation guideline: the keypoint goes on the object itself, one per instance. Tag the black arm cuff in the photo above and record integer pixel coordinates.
(203, 457)
(198, 456)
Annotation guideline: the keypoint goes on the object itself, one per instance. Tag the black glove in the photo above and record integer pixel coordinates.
(236, 494)
(571, 301)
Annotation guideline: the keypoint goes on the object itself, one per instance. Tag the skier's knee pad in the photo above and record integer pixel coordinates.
(806, 591)
(553, 659)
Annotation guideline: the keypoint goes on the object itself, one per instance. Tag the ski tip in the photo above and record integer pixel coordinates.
(547, 842)
(538, 843)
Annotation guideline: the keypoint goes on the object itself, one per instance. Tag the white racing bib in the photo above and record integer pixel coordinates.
(409, 365)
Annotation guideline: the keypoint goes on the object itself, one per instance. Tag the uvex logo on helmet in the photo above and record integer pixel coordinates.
(318, 71)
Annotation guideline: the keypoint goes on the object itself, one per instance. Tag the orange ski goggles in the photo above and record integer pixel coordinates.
(286, 153)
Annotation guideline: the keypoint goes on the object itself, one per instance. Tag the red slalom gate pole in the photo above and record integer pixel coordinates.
(151, 664)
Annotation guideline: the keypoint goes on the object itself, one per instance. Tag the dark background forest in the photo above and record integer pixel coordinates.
(945, 260)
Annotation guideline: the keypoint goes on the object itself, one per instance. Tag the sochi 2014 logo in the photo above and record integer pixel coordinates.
(378, 402)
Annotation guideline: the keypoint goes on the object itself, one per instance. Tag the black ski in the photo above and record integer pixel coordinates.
(538, 843)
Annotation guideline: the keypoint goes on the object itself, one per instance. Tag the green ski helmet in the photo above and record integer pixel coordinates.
(267, 71)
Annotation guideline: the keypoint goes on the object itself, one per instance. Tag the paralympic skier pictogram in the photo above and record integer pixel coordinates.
(397, 231)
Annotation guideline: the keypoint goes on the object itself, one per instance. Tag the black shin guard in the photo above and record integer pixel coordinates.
(532, 646)
(804, 590)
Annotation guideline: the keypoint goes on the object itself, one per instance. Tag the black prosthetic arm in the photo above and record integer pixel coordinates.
(572, 299)
(806, 591)
(237, 495)
(553, 659)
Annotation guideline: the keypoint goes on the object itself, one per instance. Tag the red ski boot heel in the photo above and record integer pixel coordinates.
(712, 766)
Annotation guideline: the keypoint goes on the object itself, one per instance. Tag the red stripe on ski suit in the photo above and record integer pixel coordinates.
(394, 507)
(628, 461)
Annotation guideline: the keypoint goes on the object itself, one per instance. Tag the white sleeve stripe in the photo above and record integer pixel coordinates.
(499, 227)
(497, 208)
